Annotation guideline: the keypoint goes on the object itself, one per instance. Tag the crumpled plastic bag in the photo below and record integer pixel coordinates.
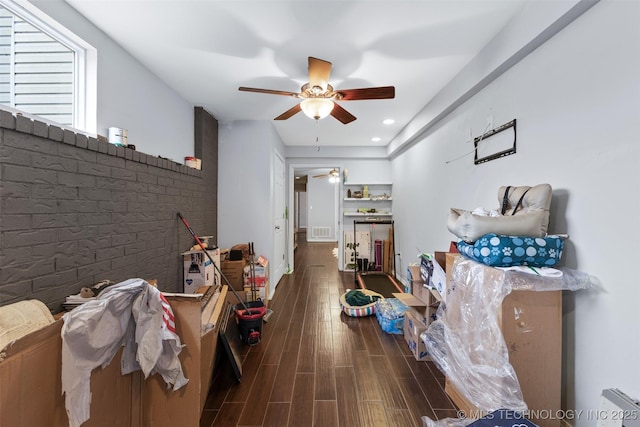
(132, 314)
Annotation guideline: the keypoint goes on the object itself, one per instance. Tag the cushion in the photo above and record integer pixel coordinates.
(506, 251)
(530, 217)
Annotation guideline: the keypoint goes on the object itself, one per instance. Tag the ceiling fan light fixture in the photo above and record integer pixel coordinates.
(317, 108)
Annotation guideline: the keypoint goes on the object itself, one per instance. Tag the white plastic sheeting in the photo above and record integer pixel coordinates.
(466, 341)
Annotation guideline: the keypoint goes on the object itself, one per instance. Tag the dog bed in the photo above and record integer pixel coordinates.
(507, 251)
(524, 211)
(360, 310)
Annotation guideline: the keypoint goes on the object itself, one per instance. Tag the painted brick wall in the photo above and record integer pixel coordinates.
(75, 210)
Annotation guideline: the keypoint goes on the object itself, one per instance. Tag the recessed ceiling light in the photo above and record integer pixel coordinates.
(388, 121)
(375, 139)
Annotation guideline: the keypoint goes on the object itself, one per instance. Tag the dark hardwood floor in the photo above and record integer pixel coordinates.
(318, 367)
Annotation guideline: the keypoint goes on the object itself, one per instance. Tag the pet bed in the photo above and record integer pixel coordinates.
(360, 310)
(524, 211)
(506, 251)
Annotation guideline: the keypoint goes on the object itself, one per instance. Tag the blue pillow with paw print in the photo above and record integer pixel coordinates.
(506, 251)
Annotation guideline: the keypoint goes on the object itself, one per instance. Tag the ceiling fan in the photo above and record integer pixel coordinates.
(318, 96)
(333, 175)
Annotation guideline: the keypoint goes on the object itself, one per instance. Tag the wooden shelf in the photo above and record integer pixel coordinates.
(358, 214)
(355, 184)
(368, 199)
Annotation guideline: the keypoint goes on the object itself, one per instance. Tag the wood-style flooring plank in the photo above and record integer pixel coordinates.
(401, 418)
(222, 381)
(285, 377)
(325, 376)
(389, 388)
(325, 414)
(307, 355)
(394, 354)
(370, 336)
(302, 401)
(347, 398)
(315, 364)
(207, 417)
(365, 377)
(277, 414)
(429, 384)
(228, 415)
(273, 350)
(353, 326)
(415, 398)
(342, 349)
(373, 414)
(250, 368)
(258, 398)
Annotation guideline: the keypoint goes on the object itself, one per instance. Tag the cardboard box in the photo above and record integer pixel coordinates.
(260, 270)
(31, 385)
(161, 406)
(234, 272)
(423, 312)
(198, 269)
(450, 259)
(261, 274)
(439, 280)
(261, 293)
(420, 291)
(412, 330)
(433, 274)
(413, 278)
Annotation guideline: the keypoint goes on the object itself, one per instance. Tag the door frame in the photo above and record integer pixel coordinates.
(290, 203)
(274, 213)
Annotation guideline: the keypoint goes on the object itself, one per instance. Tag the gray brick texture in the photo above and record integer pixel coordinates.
(75, 210)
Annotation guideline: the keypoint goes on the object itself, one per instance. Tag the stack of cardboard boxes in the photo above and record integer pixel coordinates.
(427, 287)
(238, 273)
(260, 288)
(233, 270)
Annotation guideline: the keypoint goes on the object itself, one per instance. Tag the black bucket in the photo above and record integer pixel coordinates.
(250, 321)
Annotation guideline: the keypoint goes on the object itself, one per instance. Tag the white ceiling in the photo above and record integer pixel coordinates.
(206, 49)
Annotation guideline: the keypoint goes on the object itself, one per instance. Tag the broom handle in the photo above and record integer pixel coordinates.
(186, 224)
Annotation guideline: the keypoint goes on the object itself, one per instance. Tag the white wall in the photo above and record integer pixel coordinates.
(245, 185)
(363, 166)
(322, 205)
(577, 102)
(158, 120)
(301, 210)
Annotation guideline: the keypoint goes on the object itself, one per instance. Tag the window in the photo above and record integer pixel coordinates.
(45, 70)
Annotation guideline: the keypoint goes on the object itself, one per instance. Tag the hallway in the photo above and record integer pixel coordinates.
(317, 367)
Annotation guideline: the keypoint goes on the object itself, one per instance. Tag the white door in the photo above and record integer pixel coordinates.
(279, 219)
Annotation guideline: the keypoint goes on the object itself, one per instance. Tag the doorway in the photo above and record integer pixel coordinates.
(316, 209)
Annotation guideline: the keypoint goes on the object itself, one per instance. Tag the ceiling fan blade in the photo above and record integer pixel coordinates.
(341, 114)
(268, 91)
(290, 112)
(383, 92)
(319, 71)
(321, 176)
